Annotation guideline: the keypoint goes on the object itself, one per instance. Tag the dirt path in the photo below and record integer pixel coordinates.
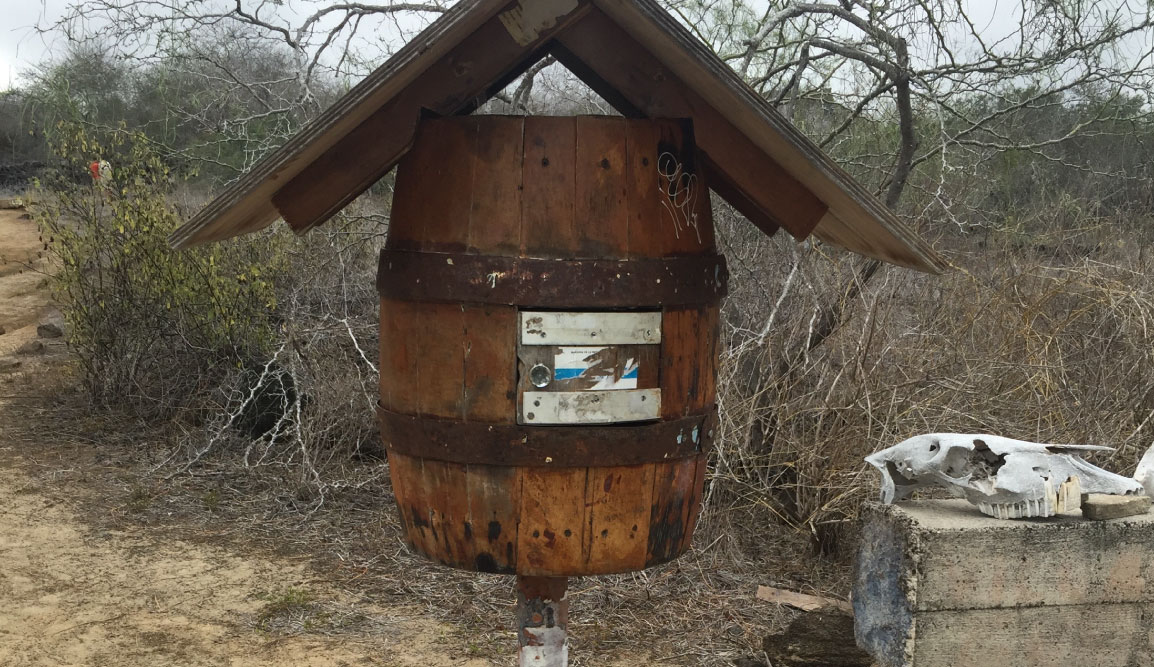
(73, 593)
(73, 596)
(24, 294)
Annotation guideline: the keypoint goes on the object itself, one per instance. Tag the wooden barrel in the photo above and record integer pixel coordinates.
(549, 329)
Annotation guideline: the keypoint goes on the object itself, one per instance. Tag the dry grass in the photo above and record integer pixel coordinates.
(1031, 342)
(698, 610)
(1020, 340)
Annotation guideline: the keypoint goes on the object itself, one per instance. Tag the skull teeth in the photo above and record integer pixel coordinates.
(1027, 509)
(1067, 498)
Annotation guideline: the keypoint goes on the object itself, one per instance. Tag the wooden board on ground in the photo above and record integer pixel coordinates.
(802, 601)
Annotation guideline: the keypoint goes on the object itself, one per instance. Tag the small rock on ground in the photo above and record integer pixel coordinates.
(30, 348)
(49, 330)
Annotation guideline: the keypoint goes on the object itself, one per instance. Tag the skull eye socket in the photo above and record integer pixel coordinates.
(934, 446)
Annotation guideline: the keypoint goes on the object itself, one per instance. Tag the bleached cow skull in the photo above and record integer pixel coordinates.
(1005, 478)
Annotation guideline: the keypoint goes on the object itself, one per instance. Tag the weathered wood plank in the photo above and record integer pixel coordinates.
(693, 512)
(708, 336)
(689, 360)
(648, 365)
(414, 499)
(686, 223)
(600, 204)
(399, 377)
(620, 504)
(680, 374)
(668, 518)
(704, 213)
(642, 137)
(494, 516)
(441, 360)
(406, 219)
(425, 509)
(453, 527)
(399, 472)
(434, 183)
(552, 533)
(495, 218)
(549, 227)
(490, 363)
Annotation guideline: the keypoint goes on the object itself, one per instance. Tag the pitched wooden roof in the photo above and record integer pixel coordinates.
(629, 51)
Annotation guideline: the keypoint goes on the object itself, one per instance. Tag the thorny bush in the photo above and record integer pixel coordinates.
(259, 348)
(155, 331)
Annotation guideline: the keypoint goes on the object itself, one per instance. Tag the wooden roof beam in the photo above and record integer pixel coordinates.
(457, 83)
(612, 63)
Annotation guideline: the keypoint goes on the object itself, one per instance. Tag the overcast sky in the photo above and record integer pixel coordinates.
(21, 46)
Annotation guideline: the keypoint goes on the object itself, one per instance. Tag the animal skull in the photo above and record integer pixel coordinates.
(1005, 478)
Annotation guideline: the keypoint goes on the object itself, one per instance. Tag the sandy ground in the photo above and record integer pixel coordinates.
(74, 593)
(74, 596)
(24, 298)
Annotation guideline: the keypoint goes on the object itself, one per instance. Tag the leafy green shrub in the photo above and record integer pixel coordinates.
(153, 329)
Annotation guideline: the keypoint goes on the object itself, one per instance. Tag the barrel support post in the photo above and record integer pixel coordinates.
(542, 621)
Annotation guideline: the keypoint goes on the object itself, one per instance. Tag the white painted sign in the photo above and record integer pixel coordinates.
(550, 328)
(590, 407)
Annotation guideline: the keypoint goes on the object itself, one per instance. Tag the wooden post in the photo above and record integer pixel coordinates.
(542, 619)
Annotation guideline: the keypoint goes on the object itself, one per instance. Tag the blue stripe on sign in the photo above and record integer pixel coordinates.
(570, 373)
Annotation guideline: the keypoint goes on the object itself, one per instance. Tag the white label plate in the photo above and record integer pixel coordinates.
(590, 407)
(550, 328)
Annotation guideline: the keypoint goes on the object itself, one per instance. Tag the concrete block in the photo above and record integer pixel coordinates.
(937, 584)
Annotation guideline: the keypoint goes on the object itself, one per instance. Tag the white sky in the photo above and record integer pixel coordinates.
(21, 47)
